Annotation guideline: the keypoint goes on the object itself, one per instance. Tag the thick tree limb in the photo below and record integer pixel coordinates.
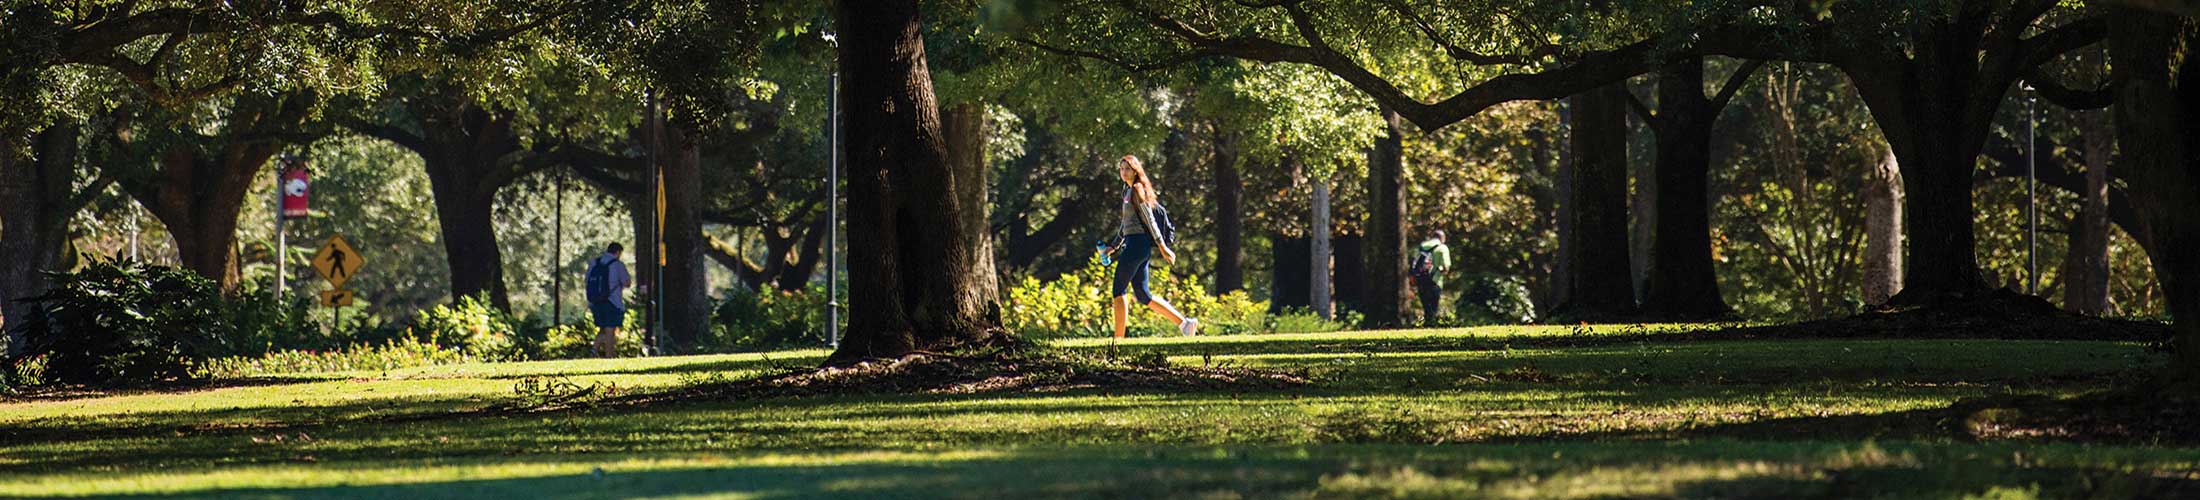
(1735, 82)
(2069, 98)
(2046, 46)
(401, 137)
(1588, 71)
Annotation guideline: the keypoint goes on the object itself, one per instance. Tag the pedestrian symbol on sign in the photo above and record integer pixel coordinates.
(336, 261)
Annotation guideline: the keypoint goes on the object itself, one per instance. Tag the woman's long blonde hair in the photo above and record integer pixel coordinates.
(1144, 187)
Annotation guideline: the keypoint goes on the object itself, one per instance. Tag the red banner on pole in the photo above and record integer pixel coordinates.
(293, 186)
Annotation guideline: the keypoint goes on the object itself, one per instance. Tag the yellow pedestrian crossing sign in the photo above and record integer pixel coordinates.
(337, 262)
(336, 298)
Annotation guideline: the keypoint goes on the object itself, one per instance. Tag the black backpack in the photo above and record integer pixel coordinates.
(1424, 264)
(1160, 218)
(1161, 221)
(599, 281)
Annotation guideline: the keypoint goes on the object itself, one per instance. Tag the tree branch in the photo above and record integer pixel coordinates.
(1462, 53)
(1641, 110)
(2069, 98)
(1590, 70)
(1125, 64)
(2044, 47)
(1734, 83)
(387, 132)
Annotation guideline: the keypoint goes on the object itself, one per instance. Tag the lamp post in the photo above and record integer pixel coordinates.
(2031, 198)
(832, 200)
(832, 215)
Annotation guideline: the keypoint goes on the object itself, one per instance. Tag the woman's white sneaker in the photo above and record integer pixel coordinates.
(1189, 327)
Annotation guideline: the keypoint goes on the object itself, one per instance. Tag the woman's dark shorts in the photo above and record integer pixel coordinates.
(1131, 269)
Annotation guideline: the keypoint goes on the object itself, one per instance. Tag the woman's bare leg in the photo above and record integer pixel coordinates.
(1166, 311)
(1122, 307)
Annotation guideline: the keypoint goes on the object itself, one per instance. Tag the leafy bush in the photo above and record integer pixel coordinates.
(126, 321)
(265, 323)
(770, 319)
(399, 353)
(1489, 299)
(20, 373)
(470, 325)
(578, 340)
(1300, 320)
(1076, 305)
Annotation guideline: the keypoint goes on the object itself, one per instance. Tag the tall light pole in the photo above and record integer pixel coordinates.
(832, 213)
(832, 196)
(2031, 198)
(652, 341)
(557, 255)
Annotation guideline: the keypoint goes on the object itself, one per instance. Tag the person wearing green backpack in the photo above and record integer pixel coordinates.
(1430, 260)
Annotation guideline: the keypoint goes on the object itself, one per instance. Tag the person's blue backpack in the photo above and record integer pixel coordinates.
(599, 282)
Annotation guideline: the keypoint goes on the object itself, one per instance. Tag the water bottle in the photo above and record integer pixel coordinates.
(1102, 249)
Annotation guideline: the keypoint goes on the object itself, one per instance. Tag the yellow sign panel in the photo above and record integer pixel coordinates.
(336, 298)
(336, 261)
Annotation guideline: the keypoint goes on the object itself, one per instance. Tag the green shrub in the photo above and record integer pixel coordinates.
(1076, 305)
(21, 373)
(748, 320)
(126, 321)
(1301, 320)
(1489, 299)
(578, 340)
(266, 324)
(470, 325)
(399, 353)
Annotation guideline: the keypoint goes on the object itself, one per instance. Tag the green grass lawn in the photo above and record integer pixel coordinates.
(1544, 412)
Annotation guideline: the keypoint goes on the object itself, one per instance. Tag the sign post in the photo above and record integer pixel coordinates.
(337, 262)
(290, 189)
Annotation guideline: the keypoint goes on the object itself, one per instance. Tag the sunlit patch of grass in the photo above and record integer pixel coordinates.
(1419, 413)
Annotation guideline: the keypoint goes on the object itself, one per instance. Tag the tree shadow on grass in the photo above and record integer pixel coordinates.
(1952, 481)
(166, 387)
(702, 368)
(1024, 474)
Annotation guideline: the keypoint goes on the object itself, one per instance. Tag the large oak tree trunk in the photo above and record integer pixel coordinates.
(465, 212)
(1934, 103)
(917, 281)
(965, 138)
(1229, 220)
(468, 153)
(686, 287)
(1883, 231)
(1386, 233)
(1682, 281)
(2085, 283)
(2157, 113)
(35, 207)
(199, 197)
(1597, 283)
